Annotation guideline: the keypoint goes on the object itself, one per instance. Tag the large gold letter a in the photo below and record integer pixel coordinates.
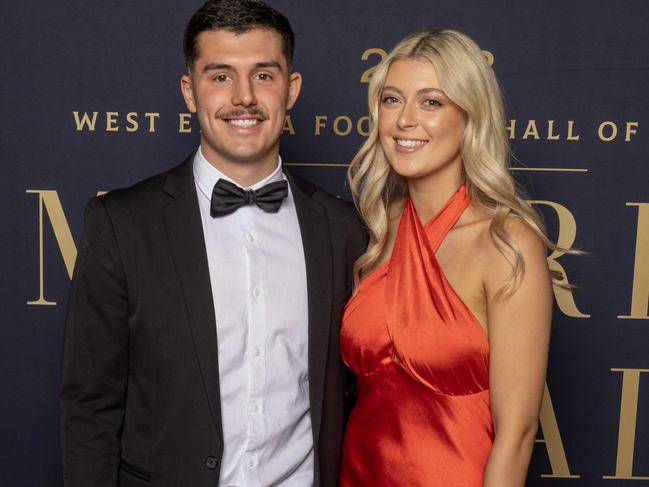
(628, 417)
(552, 440)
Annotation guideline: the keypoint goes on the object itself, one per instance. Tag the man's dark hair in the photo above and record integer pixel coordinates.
(237, 16)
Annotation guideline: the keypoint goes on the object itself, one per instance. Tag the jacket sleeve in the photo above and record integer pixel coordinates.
(95, 357)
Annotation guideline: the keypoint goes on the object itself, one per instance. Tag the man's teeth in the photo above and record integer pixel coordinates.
(410, 143)
(245, 123)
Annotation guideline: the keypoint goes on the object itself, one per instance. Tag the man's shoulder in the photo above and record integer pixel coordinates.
(344, 221)
(153, 190)
(336, 207)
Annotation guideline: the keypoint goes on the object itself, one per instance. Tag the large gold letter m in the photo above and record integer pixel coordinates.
(50, 199)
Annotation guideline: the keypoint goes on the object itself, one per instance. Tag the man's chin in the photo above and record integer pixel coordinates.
(250, 158)
(244, 158)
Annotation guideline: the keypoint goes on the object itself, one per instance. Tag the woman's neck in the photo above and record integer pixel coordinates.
(430, 194)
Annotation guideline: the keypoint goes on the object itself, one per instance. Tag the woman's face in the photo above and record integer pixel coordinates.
(420, 129)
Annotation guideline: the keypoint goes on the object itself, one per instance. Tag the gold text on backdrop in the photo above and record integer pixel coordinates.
(49, 199)
(640, 290)
(552, 440)
(86, 122)
(628, 418)
(566, 239)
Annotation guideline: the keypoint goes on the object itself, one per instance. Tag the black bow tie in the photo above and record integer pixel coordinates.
(228, 197)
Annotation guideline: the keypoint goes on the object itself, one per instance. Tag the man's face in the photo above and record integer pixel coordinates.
(240, 88)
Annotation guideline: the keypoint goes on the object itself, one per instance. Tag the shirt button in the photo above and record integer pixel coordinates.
(250, 238)
(251, 463)
(211, 462)
(256, 292)
(256, 351)
(254, 407)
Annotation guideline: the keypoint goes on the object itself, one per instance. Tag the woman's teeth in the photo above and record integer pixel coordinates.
(409, 143)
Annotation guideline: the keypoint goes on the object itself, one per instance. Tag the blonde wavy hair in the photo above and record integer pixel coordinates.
(471, 84)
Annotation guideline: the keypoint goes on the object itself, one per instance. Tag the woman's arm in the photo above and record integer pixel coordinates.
(519, 334)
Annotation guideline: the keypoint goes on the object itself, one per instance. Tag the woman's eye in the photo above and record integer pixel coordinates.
(389, 100)
(432, 103)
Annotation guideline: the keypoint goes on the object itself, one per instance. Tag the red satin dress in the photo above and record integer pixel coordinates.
(422, 360)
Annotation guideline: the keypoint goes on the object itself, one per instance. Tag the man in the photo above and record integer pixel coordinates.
(201, 343)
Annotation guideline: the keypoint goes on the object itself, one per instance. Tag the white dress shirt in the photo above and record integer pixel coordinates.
(258, 277)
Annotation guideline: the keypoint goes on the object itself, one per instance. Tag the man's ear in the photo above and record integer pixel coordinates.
(294, 87)
(188, 92)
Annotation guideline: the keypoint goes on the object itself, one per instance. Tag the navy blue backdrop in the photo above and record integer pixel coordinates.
(91, 101)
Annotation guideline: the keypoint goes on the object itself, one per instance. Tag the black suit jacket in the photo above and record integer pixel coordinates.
(140, 401)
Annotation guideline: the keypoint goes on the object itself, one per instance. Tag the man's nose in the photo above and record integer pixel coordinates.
(243, 93)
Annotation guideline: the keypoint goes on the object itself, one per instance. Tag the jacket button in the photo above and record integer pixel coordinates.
(211, 462)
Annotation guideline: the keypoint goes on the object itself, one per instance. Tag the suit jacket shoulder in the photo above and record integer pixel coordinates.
(155, 190)
(341, 213)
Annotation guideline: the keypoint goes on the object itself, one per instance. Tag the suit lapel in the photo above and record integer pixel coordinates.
(316, 241)
(185, 232)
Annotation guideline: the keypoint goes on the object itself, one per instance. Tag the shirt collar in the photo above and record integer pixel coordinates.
(206, 175)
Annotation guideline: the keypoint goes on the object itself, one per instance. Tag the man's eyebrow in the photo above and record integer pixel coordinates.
(268, 64)
(213, 66)
(263, 64)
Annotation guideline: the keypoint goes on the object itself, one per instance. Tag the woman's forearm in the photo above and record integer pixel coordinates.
(509, 459)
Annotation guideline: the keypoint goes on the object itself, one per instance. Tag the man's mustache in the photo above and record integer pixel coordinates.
(243, 112)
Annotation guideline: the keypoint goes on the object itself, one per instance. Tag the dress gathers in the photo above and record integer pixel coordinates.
(422, 417)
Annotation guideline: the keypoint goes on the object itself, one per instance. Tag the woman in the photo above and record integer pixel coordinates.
(449, 327)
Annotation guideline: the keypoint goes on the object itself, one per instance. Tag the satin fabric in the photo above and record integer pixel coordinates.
(422, 417)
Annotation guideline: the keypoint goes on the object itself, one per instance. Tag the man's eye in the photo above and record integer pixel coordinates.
(264, 77)
(221, 78)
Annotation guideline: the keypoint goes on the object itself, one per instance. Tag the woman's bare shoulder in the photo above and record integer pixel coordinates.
(529, 247)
